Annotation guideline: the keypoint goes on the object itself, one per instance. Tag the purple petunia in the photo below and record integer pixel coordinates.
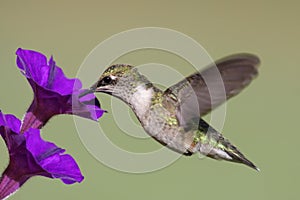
(53, 92)
(30, 155)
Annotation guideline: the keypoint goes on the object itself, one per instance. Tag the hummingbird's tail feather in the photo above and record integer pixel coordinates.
(214, 145)
(237, 156)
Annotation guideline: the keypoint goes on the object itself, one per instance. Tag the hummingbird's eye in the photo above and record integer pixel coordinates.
(106, 80)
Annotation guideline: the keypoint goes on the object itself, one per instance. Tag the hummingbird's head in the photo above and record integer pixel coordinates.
(119, 80)
(111, 77)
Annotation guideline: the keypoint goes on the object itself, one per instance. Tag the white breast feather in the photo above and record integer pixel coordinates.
(141, 99)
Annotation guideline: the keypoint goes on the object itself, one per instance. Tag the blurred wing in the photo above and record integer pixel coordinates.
(201, 92)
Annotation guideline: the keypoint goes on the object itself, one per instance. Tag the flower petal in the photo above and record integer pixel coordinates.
(30, 155)
(35, 67)
(10, 121)
(54, 93)
(28, 60)
(86, 106)
(52, 160)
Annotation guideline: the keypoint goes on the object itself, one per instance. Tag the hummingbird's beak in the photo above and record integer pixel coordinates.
(92, 89)
(97, 88)
(86, 92)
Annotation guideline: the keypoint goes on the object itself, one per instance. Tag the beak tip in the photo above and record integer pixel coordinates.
(86, 92)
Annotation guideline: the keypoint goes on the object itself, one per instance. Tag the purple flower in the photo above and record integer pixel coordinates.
(30, 155)
(53, 92)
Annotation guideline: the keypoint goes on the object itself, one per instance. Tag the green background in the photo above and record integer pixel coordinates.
(262, 121)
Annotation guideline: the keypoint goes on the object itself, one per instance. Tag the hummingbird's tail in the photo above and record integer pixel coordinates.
(214, 145)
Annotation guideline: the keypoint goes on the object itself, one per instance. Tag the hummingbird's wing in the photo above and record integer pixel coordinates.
(201, 92)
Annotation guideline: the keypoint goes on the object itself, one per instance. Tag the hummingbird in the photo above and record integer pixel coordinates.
(173, 117)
